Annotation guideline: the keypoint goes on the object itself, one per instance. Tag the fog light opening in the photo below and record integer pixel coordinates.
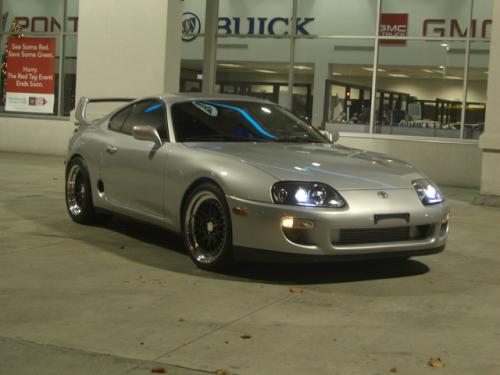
(290, 222)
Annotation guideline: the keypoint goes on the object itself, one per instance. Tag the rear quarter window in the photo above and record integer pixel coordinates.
(118, 119)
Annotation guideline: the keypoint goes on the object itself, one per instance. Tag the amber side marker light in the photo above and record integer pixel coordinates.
(242, 211)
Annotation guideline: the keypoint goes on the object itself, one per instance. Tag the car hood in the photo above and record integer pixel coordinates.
(341, 167)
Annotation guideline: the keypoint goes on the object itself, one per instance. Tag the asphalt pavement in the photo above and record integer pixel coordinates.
(124, 298)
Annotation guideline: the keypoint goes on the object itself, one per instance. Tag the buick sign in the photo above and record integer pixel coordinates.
(191, 24)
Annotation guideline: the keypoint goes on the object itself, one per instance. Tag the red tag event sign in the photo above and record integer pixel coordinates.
(393, 24)
(30, 75)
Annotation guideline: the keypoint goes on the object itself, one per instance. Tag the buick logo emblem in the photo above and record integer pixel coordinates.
(191, 24)
(383, 194)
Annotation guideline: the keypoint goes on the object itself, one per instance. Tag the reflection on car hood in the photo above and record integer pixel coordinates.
(341, 167)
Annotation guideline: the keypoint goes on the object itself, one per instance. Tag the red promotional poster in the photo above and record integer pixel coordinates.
(30, 75)
(393, 24)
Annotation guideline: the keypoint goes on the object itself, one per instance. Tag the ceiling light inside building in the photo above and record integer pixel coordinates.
(265, 71)
(302, 67)
(444, 45)
(427, 71)
(230, 65)
(398, 75)
(337, 74)
(371, 69)
(452, 77)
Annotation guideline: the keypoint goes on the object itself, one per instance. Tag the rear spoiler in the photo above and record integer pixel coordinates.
(81, 109)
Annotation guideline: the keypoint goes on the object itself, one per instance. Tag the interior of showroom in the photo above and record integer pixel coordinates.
(409, 78)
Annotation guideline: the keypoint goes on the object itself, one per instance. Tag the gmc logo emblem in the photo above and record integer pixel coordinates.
(393, 24)
(390, 30)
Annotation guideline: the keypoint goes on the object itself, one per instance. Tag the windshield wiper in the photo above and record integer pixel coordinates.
(296, 139)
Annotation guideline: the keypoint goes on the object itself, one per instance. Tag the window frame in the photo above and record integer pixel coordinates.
(61, 37)
(131, 108)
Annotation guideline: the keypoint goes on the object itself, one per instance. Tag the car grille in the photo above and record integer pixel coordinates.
(358, 236)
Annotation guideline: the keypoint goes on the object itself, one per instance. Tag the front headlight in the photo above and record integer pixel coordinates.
(309, 194)
(427, 192)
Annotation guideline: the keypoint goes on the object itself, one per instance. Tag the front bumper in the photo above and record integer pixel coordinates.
(261, 227)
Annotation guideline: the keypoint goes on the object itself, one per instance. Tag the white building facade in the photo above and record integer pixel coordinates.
(414, 79)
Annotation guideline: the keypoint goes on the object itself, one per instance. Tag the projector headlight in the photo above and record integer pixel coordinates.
(309, 194)
(427, 192)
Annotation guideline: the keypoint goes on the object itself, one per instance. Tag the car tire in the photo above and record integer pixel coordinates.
(78, 192)
(206, 228)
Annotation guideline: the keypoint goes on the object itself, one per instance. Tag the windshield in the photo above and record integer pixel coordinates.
(239, 121)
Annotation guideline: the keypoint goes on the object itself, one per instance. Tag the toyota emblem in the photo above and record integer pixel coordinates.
(383, 194)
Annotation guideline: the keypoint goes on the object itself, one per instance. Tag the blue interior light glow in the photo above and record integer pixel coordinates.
(254, 123)
(152, 108)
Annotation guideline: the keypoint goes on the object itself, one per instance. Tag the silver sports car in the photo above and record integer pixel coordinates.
(240, 177)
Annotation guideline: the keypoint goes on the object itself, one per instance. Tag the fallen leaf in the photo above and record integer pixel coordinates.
(394, 369)
(221, 371)
(181, 320)
(246, 336)
(142, 343)
(296, 290)
(226, 342)
(158, 370)
(436, 362)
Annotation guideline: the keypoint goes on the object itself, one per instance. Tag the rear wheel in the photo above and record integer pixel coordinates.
(207, 228)
(78, 192)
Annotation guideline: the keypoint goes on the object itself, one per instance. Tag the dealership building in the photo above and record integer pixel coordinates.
(419, 80)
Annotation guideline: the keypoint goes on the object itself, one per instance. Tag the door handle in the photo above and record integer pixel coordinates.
(111, 149)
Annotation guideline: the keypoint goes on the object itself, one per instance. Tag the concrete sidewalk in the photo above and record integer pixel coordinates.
(123, 298)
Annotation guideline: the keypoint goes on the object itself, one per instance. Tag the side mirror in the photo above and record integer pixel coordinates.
(146, 133)
(332, 136)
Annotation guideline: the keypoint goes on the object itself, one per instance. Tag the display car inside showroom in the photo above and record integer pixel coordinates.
(303, 154)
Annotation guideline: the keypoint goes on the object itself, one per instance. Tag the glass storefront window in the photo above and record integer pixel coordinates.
(240, 72)
(428, 75)
(341, 68)
(337, 17)
(191, 65)
(481, 19)
(476, 89)
(255, 18)
(40, 21)
(421, 62)
(72, 16)
(34, 16)
(424, 18)
(69, 82)
(192, 24)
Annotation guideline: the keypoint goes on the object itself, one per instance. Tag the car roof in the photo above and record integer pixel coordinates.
(180, 97)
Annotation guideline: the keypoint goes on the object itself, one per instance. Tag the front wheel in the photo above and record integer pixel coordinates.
(207, 228)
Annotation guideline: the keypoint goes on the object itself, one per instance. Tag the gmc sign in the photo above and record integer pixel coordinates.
(393, 24)
(444, 28)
